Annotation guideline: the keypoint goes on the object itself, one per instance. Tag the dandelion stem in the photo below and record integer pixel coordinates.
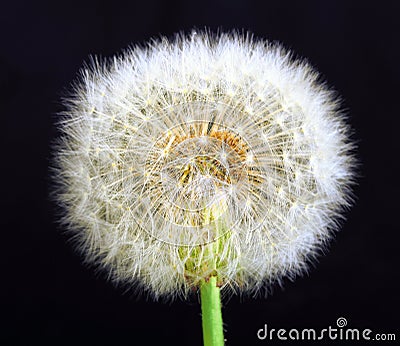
(213, 334)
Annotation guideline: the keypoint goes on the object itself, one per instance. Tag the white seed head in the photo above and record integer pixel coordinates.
(205, 155)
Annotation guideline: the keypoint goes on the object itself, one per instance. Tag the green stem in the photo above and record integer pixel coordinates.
(213, 334)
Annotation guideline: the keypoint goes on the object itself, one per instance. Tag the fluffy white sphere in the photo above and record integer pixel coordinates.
(209, 155)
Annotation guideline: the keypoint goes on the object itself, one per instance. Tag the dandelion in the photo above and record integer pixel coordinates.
(212, 162)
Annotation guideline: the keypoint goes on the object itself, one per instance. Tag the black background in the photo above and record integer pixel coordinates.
(50, 298)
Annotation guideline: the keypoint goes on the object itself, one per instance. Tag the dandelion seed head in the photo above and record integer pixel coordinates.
(205, 155)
